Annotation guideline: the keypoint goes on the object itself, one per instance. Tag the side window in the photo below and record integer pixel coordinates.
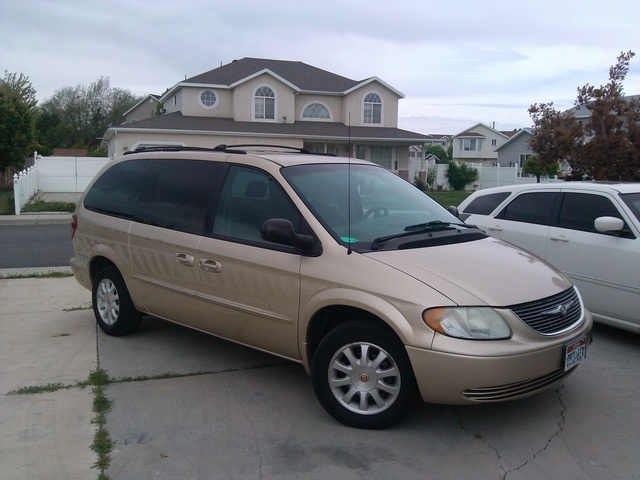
(485, 204)
(176, 194)
(115, 192)
(249, 197)
(537, 208)
(580, 210)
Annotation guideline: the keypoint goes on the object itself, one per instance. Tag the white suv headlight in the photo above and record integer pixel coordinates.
(472, 323)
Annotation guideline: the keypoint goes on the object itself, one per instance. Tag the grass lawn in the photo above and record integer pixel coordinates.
(448, 198)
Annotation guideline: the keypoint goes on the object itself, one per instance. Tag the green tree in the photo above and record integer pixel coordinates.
(77, 117)
(460, 175)
(22, 86)
(533, 166)
(439, 152)
(16, 128)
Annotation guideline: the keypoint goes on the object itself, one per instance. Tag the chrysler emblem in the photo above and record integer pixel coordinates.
(561, 309)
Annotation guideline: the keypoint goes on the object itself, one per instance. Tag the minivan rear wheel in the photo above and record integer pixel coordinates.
(362, 376)
(112, 305)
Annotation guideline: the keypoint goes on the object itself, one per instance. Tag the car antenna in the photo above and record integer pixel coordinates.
(349, 192)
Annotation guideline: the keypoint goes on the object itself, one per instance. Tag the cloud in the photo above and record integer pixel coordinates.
(462, 61)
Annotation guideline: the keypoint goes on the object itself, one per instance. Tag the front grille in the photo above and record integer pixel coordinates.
(515, 390)
(552, 315)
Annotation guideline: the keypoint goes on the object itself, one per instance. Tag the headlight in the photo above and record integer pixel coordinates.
(473, 323)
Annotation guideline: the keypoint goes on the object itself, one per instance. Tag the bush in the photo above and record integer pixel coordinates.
(460, 175)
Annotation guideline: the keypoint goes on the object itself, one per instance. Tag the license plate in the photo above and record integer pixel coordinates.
(574, 353)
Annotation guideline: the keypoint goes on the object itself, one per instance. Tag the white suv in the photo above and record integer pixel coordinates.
(589, 230)
(335, 263)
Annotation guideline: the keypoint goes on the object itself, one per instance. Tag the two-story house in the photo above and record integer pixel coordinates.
(275, 102)
(478, 144)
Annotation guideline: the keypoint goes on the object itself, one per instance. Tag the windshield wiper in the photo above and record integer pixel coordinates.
(417, 228)
(432, 224)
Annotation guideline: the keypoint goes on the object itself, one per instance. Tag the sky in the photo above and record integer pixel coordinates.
(457, 62)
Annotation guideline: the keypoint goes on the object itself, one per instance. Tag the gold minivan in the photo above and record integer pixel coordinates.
(335, 263)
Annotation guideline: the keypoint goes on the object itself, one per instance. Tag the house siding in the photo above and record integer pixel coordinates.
(510, 153)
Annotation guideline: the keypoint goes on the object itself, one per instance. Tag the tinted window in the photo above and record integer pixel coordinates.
(485, 204)
(535, 208)
(580, 210)
(249, 198)
(175, 194)
(633, 202)
(115, 192)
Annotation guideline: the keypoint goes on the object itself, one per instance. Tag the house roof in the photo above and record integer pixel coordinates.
(177, 123)
(470, 133)
(299, 75)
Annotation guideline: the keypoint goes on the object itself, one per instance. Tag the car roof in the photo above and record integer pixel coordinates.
(620, 187)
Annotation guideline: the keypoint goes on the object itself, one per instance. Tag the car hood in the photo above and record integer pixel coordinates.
(482, 272)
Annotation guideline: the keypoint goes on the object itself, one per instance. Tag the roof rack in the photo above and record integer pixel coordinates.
(234, 148)
(170, 148)
(241, 149)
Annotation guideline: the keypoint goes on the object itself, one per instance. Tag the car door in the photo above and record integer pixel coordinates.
(249, 288)
(169, 222)
(525, 220)
(604, 266)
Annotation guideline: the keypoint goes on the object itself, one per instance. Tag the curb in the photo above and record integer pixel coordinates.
(36, 218)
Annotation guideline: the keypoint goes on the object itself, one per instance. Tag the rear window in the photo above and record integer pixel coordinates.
(485, 204)
(115, 192)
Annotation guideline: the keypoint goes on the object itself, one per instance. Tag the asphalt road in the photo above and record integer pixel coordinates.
(23, 246)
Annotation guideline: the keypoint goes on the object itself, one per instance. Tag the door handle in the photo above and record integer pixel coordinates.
(496, 228)
(559, 238)
(185, 259)
(209, 265)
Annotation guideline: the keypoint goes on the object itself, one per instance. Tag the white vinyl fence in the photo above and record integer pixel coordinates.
(489, 176)
(55, 175)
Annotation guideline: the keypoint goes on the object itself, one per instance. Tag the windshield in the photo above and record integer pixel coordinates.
(382, 205)
(633, 201)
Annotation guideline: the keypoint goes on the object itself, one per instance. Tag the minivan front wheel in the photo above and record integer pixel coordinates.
(112, 305)
(362, 376)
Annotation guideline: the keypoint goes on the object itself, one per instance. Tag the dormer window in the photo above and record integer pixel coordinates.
(316, 111)
(264, 104)
(208, 99)
(372, 109)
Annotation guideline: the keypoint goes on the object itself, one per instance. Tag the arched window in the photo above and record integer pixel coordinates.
(316, 110)
(372, 109)
(264, 104)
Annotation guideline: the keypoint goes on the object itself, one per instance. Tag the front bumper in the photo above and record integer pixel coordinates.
(456, 379)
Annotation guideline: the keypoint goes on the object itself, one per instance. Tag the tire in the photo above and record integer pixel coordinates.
(362, 376)
(112, 305)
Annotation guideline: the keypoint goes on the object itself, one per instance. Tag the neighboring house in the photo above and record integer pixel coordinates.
(145, 108)
(515, 151)
(275, 102)
(435, 139)
(478, 144)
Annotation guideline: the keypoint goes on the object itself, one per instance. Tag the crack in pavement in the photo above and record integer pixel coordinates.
(504, 472)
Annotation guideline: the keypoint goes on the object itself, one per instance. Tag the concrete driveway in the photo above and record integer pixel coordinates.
(190, 406)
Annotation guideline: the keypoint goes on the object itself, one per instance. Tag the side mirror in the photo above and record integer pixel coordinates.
(453, 211)
(608, 224)
(280, 230)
